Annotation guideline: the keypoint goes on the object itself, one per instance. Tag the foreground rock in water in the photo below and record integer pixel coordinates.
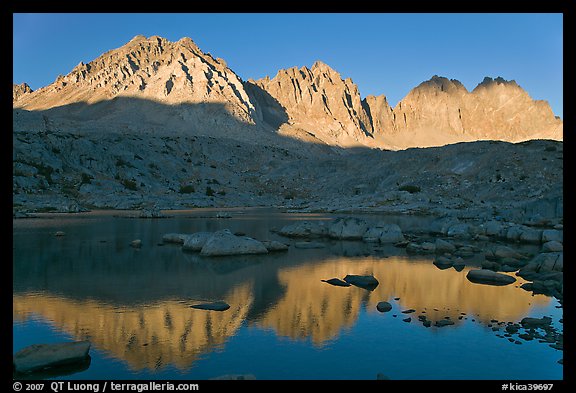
(42, 356)
(224, 242)
(366, 282)
(214, 306)
(195, 241)
(485, 276)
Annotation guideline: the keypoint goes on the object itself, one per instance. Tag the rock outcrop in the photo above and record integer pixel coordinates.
(19, 90)
(43, 356)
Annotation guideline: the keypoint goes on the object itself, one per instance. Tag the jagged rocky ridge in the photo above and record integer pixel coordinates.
(203, 96)
(163, 123)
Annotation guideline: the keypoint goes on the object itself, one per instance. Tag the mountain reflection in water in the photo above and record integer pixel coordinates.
(265, 293)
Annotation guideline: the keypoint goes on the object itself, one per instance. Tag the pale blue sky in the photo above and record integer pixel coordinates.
(382, 53)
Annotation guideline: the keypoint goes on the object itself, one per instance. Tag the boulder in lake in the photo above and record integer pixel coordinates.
(224, 242)
(43, 356)
(483, 276)
(304, 229)
(214, 306)
(366, 282)
(195, 241)
(337, 282)
(348, 228)
(443, 262)
(383, 306)
(536, 322)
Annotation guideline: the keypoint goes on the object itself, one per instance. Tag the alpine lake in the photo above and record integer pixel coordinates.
(284, 322)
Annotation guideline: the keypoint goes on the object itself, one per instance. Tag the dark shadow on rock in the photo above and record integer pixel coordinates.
(273, 113)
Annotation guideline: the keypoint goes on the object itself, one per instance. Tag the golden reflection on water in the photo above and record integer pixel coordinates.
(147, 336)
(170, 332)
(311, 308)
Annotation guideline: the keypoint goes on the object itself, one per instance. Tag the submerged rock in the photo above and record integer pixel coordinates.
(224, 242)
(483, 276)
(366, 282)
(42, 356)
(337, 282)
(214, 306)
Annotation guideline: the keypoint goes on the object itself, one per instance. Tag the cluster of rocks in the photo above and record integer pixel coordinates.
(544, 269)
(345, 228)
(222, 243)
(384, 307)
(529, 329)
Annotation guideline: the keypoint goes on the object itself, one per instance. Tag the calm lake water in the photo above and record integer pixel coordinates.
(283, 323)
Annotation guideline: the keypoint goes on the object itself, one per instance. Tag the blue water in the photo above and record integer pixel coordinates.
(284, 323)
